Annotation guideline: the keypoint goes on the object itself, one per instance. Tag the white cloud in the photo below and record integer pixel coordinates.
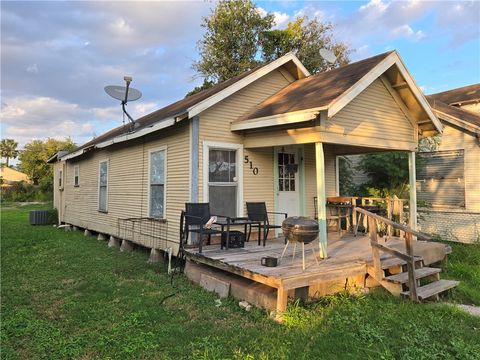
(32, 68)
(281, 19)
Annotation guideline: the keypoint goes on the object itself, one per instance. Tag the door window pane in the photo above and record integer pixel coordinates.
(286, 179)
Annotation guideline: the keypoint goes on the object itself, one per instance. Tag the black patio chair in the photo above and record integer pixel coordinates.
(257, 211)
(194, 218)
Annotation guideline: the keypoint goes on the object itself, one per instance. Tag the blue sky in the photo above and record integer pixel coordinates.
(56, 57)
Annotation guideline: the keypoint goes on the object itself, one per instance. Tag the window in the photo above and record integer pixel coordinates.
(76, 175)
(222, 181)
(103, 186)
(60, 179)
(286, 172)
(157, 184)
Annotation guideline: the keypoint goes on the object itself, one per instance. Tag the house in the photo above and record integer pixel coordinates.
(449, 179)
(232, 143)
(9, 175)
(271, 134)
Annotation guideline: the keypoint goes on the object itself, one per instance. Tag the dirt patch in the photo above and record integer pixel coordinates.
(471, 309)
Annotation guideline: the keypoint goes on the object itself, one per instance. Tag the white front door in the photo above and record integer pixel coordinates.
(287, 183)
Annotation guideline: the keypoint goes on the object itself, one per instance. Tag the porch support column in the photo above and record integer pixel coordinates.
(413, 190)
(321, 199)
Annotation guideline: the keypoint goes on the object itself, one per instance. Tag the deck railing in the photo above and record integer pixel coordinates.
(408, 257)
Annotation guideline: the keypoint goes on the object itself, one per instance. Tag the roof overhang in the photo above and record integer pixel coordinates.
(393, 60)
(453, 120)
(264, 70)
(122, 138)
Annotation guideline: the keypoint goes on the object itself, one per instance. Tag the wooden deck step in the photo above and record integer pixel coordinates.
(394, 261)
(402, 278)
(434, 288)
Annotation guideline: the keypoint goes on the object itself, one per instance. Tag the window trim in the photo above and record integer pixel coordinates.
(165, 167)
(75, 169)
(98, 187)
(60, 179)
(207, 145)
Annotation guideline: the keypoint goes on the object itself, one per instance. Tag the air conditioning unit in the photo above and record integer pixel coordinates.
(43, 217)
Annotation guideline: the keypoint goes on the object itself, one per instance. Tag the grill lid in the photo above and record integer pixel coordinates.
(299, 223)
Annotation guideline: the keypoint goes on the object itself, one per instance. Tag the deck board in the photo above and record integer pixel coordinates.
(348, 256)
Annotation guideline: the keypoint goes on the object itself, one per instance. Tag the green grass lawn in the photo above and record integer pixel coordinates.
(68, 296)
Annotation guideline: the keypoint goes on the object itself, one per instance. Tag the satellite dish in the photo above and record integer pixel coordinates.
(118, 92)
(124, 94)
(328, 55)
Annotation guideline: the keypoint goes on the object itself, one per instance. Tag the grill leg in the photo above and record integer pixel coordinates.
(284, 249)
(303, 256)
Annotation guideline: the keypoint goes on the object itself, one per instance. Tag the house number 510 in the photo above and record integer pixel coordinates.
(254, 169)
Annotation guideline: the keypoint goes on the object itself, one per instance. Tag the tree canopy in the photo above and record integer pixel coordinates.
(33, 160)
(8, 149)
(239, 37)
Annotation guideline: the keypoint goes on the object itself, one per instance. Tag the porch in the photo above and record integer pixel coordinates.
(347, 266)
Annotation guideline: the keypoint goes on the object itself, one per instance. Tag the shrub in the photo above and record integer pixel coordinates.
(22, 192)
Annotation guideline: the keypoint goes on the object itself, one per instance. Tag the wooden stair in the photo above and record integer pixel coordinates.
(433, 289)
(396, 282)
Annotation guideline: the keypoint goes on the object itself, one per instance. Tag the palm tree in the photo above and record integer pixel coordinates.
(8, 149)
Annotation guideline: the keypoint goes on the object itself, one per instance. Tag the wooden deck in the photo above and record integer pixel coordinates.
(348, 259)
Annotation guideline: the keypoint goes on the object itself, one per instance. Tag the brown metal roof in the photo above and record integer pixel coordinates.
(316, 90)
(462, 94)
(454, 111)
(168, 111)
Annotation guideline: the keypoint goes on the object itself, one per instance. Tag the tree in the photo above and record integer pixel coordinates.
(238, 38)
(230, 45)
(33, 160)
(305, 38)
(8, 149)
(387, 173)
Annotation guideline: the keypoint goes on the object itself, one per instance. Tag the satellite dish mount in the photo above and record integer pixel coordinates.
(124, 94)
(328, 56)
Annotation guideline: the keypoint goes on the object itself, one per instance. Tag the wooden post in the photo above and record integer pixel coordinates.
(413, 190)
(377, 265)
(412, 283)
(282, 300)
(321, 199)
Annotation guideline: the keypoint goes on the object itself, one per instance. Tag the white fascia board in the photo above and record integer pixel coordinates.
(417, 92)
(214, 99)
(280, 119)
(145, 131)
(125, 137)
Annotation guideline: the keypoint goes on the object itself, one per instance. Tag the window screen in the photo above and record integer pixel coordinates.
(76, 175)
(157, 184)
(103, 186)
(222, 182)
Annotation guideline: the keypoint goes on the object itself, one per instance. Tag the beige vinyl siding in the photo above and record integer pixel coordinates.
(128, 183)
(310, 176)
(373, 115)
(454, 139)
(474, 107)
(259, 187)
(215, 126)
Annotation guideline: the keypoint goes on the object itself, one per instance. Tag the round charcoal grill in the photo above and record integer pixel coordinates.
(300, 229)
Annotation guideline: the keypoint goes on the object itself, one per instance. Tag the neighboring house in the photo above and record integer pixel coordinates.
(449, 180)
(9, 176)
(234, 142)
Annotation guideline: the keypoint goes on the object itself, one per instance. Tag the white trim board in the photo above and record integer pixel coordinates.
(239, 158)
